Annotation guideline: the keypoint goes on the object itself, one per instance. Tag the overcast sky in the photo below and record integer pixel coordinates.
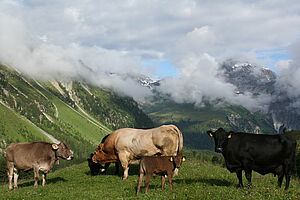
(184, 37)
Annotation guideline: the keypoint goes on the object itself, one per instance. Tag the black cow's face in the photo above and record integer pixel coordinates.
(94, 167)
(221, 138)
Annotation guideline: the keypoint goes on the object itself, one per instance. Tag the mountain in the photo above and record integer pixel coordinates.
(74, 111)
(147, 82)
(260, 80)
(248, 77)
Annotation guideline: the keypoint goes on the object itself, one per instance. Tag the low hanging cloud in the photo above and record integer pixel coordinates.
(107, 68)
(201, 76)
(200, 80)
(117, 70)
(105, 42)
(289, 73)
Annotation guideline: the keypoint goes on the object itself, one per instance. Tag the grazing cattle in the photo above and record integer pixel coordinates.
(96, 167)
(128, 145)
(36, 156)
(163, 165)
(261, 153)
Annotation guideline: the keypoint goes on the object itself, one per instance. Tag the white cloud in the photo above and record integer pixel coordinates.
(29, 54)
(289, 73)
(51, 36)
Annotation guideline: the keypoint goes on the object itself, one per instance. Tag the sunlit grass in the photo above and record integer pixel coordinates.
(197, 180)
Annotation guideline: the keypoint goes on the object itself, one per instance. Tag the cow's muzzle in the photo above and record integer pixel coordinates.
(70, 158)
(219, 149)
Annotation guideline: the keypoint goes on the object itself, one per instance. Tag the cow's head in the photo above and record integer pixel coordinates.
(177, 160)
(221, 138)
(94, 167)
(63, 151)
(99, 154)
(101, 157)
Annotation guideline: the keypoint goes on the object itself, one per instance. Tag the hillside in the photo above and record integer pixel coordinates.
(75, 112)
(198, 179)
(194, 121)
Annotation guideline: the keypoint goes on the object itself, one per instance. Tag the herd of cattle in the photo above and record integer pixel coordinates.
(159, 151)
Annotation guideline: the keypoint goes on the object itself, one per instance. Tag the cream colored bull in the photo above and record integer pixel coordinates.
(128, 145)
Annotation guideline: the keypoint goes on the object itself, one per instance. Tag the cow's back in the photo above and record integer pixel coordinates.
(137, 142)
(264, 152)
(169, 139)
(24, 155)
(164, 140)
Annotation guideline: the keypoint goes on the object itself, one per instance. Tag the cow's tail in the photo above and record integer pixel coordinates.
(179, 147)
(180, 140)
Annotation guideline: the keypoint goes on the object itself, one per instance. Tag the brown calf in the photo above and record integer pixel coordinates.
(163, 165)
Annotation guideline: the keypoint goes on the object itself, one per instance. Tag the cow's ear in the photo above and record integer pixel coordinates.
(210, 133)
(171, 159)
(55, 147)
(183, 158)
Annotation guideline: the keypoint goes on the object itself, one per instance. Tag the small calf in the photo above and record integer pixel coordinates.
(163, 165)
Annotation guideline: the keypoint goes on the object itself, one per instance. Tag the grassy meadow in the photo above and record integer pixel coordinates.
(14, 127)
(198, 179)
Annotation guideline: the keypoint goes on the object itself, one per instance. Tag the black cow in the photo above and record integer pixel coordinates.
(261, 153)
(95, 168)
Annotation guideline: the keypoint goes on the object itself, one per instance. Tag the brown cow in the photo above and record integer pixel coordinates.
(36, 156)
(163, 165)
(128, 145)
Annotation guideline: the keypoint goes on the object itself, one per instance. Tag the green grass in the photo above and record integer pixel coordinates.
(87, 130)
(197, 180)
(13, 127)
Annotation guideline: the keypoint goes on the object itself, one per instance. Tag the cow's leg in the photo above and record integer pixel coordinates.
(124, 162)
(239, 176)
(280, 179)
(16, 175)
(287, 177)
(36, 175)
(248, 174)
(139, 183)
(44, 179)
(163, 180)
(170, 180)
(147, 182)
(10, 171)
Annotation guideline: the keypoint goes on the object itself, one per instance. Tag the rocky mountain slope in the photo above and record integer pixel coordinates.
(260, 80)
(78, 113)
